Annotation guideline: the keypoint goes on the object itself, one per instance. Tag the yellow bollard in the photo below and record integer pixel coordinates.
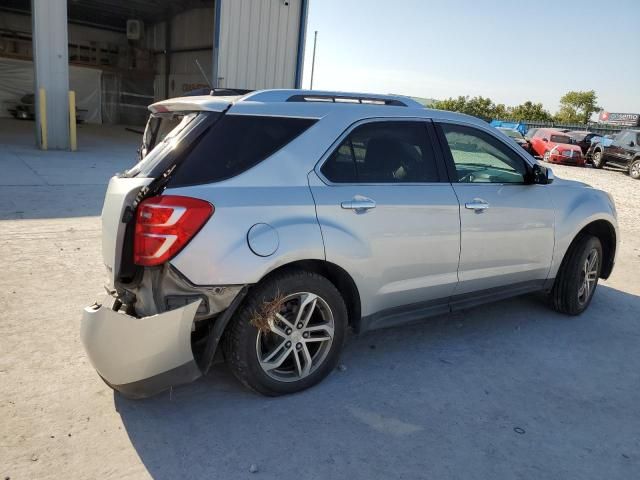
(73, 138)
(42, 105)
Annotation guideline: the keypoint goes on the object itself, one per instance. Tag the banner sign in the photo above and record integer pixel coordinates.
(629, 119)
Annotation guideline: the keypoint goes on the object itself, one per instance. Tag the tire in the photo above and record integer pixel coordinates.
(569, 294)
(284, 367)
(634, 169)
(546, 157)
(597, 160)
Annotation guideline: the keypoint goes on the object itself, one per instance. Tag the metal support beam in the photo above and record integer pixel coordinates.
(51, 70)
(216, 44)
(167, 56)
(302, 39)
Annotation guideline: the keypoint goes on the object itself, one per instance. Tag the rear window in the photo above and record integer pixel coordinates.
(233, 145)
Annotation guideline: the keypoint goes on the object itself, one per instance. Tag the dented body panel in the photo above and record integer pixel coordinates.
(140, 356)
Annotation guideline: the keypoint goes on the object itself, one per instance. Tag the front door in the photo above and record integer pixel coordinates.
(507, 235)
(389, 216)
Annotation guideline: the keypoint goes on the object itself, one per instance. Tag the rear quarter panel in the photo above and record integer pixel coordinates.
(220, 254)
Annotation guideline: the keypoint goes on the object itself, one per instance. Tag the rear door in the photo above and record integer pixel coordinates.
(507, 225)
(615, 151)
(629, 147)
(389, 216)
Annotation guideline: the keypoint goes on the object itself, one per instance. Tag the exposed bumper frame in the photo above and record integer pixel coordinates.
(140, 357)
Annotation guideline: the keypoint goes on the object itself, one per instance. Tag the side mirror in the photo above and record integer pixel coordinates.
(541, 175)
(545, 139)
(631, 143)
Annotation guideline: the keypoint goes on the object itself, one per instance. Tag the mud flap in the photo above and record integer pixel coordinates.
(140, 356)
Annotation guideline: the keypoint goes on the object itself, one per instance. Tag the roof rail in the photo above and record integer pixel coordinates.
(347, 99)
(272, 96)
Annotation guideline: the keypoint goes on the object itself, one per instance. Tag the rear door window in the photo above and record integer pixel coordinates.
(383, 152)
(233, 145)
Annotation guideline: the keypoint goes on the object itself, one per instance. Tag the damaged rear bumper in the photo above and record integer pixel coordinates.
(140, 357)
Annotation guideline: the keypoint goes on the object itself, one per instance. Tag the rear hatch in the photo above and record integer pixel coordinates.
(190, 116)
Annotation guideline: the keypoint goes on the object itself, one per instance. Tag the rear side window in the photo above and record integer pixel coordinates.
(383, 152)
(233, 145)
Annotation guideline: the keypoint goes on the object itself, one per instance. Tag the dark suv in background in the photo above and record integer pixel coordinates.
(623, 152)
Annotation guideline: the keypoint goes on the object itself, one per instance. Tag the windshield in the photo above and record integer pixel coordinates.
(511, 133)
(560, 139)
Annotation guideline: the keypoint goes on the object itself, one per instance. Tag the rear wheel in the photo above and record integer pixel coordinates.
(288, 334)
(634, 169)
(578, 276)
(597, 160)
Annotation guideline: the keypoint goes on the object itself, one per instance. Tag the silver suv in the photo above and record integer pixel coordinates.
(262, 228)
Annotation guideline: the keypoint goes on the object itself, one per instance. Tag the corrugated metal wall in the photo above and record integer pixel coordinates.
(258, 43)
(191, 39)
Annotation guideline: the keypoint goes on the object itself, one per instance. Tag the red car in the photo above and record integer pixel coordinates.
(556, 147)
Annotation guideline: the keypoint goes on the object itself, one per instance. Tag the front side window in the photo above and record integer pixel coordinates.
(383, 152)
(560, 139)
(480, 158)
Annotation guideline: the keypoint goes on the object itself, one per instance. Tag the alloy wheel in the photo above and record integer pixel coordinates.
(597, 158)
(299, 338)
(635, 169)
(588, 276)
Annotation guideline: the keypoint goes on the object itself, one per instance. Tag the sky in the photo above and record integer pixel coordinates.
(510, 51)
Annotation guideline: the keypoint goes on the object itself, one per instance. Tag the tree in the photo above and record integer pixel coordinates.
(577, 106)
(477, 106)
(529, 111)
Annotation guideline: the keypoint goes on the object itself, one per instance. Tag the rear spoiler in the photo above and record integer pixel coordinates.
(202, 103)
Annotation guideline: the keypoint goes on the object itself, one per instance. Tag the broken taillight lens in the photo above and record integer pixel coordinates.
(164, 225)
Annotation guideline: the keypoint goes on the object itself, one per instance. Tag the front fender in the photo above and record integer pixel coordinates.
(576, 207)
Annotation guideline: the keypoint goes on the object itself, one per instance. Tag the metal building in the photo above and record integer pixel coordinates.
(120, 55)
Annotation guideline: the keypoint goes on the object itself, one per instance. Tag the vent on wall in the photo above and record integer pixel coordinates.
(135, 29)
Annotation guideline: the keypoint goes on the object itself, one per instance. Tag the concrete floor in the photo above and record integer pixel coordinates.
(511, 390)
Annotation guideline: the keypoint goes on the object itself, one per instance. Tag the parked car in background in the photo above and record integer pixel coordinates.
(605, 140)
(517, 137)
(530, 133)
(556, 147)
(520, 127)
(270, 224)
(582, 139)
(624, 152)
(25, 109)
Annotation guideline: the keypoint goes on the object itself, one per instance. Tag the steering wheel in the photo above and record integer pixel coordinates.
(468, 178)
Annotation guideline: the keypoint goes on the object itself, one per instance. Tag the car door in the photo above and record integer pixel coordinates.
(507, 224)
(538, 143)
(615, 151)
(628, 148)
(390, 217)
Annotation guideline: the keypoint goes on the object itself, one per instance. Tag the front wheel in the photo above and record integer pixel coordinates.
(634, 169)
(597, 160)
(288, 334)
(578, 276)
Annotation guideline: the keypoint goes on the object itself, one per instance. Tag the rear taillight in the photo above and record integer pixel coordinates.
(164, 225)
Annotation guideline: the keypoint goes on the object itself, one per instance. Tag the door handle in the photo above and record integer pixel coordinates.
(478, 205)
(359, 203)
